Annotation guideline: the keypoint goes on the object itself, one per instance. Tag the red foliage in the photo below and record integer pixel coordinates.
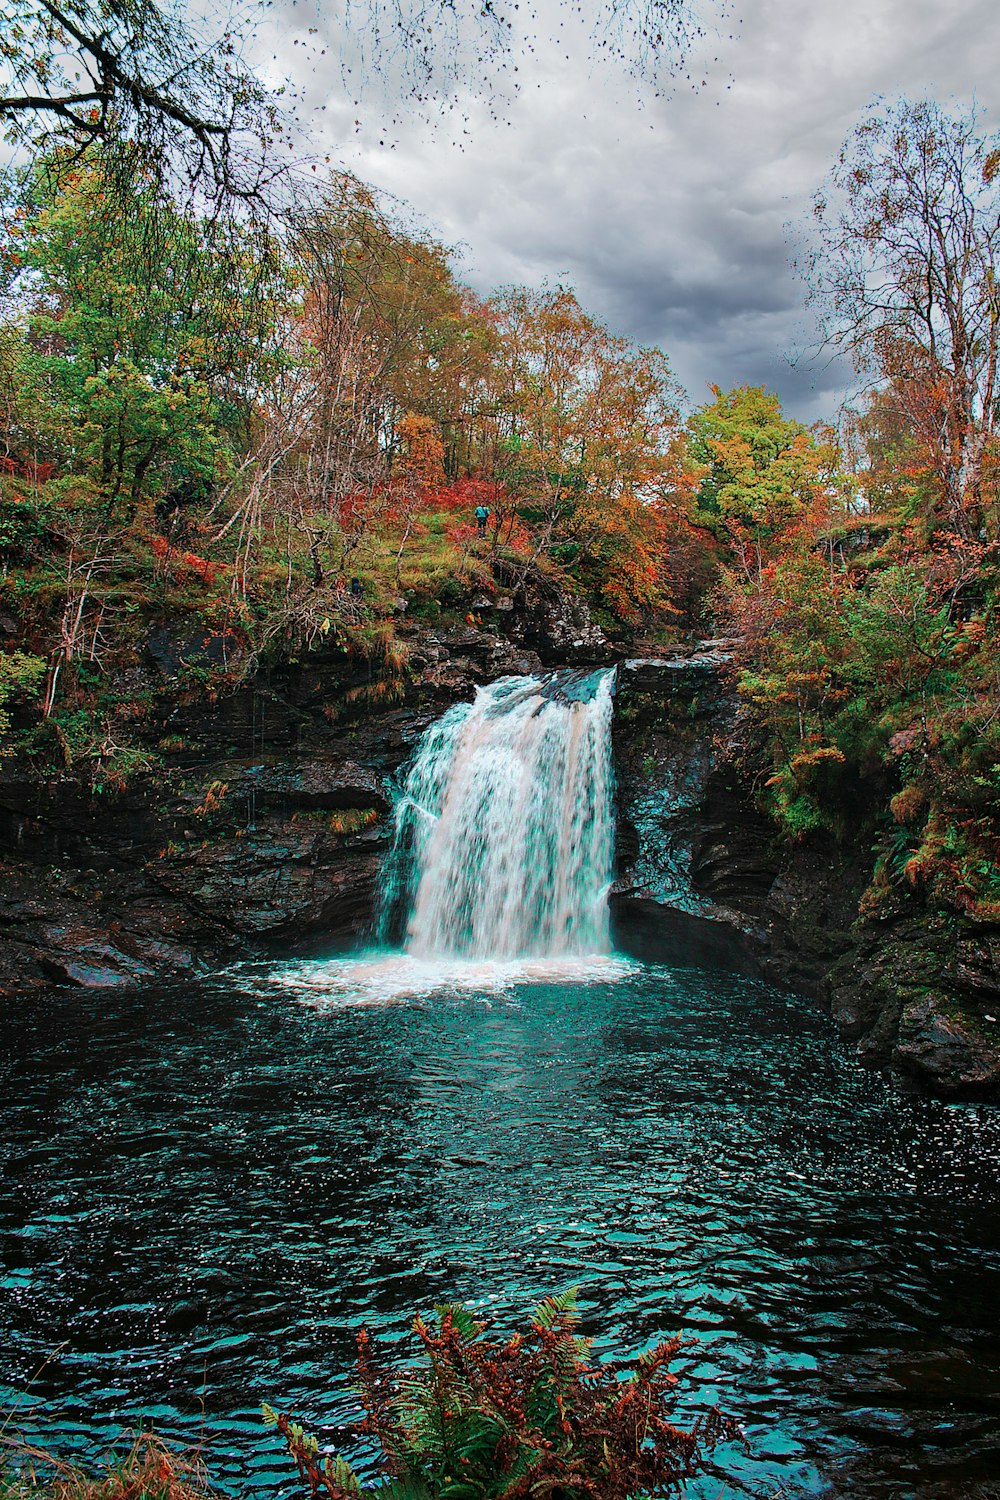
(359, 509)
(37, 473)
(463, 496)
(174, 558)
(466, 494)
(525, 1417)
(461, 534)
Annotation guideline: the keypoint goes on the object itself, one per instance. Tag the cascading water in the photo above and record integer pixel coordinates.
(504, 833)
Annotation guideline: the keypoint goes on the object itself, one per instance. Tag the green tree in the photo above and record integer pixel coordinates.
(763, 473)
(134, 362)
(144, 346)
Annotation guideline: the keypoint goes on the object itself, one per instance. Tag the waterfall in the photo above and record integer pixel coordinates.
(504, 832)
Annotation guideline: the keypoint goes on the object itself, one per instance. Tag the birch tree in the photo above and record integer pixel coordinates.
(905, 275)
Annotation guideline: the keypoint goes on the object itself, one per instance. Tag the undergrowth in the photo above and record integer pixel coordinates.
(529, 1416)
(150, 1470)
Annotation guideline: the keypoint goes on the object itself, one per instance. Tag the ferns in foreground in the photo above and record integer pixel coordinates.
(529, 1416)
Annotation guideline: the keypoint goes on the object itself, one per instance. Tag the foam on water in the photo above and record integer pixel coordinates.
(502, 855)
(379, 978)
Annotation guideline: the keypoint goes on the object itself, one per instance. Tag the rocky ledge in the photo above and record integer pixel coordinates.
(702, 877)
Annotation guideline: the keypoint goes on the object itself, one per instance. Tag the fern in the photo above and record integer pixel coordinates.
(480, 1419)
(463, 1321)
(335, 1475)
(560, 1308)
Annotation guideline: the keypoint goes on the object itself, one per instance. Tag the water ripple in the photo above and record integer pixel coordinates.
(207, 1193)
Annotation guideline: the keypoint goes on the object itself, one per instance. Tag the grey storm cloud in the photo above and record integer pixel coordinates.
(676, 217)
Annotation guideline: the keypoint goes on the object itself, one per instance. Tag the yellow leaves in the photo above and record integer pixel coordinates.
(807, 761)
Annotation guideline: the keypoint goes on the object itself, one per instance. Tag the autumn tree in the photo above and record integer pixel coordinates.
(762, 473)
(577, 424)
(349, 441)
(866, 656)
(378, 309)
(905, 277)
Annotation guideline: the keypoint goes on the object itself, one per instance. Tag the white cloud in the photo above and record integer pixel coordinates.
(668, 214)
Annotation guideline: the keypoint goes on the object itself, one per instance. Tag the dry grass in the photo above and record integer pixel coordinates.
(149, 1471)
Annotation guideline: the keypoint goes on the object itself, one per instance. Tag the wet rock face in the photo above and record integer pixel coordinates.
(266, 825)
(689, 836)
(85, 930)
(277, 881)
(703, 878)
(170, 650)
(948, 1051)
(310, 785)
(264, 830)
(924, 995)
(562, 633)
(452, 661)
(233, 856)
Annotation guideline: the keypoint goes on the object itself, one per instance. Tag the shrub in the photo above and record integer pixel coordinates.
(20, 675)
(530, 1416)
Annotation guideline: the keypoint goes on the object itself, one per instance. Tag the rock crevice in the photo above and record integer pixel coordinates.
(704, 877)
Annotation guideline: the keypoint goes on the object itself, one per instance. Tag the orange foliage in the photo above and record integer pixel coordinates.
(423, 451)
(174, 558)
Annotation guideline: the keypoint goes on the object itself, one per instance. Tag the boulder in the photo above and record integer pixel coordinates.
(946, 1049)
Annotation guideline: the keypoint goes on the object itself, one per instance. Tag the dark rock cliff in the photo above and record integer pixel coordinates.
(265, 826)
(704, 878)
(265, 823)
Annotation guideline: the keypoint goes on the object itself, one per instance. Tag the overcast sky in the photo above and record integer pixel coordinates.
(669, 216)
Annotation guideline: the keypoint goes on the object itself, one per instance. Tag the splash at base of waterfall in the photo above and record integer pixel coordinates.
(379, 978)
(504, 831)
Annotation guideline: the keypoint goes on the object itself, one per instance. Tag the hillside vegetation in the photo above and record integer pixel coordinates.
(266, 439)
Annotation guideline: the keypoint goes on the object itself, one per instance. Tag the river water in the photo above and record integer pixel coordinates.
(205, 1192)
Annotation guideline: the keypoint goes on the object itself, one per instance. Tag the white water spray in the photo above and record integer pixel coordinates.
(504, 835)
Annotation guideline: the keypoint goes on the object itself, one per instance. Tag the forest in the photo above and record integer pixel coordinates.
(278, 433)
